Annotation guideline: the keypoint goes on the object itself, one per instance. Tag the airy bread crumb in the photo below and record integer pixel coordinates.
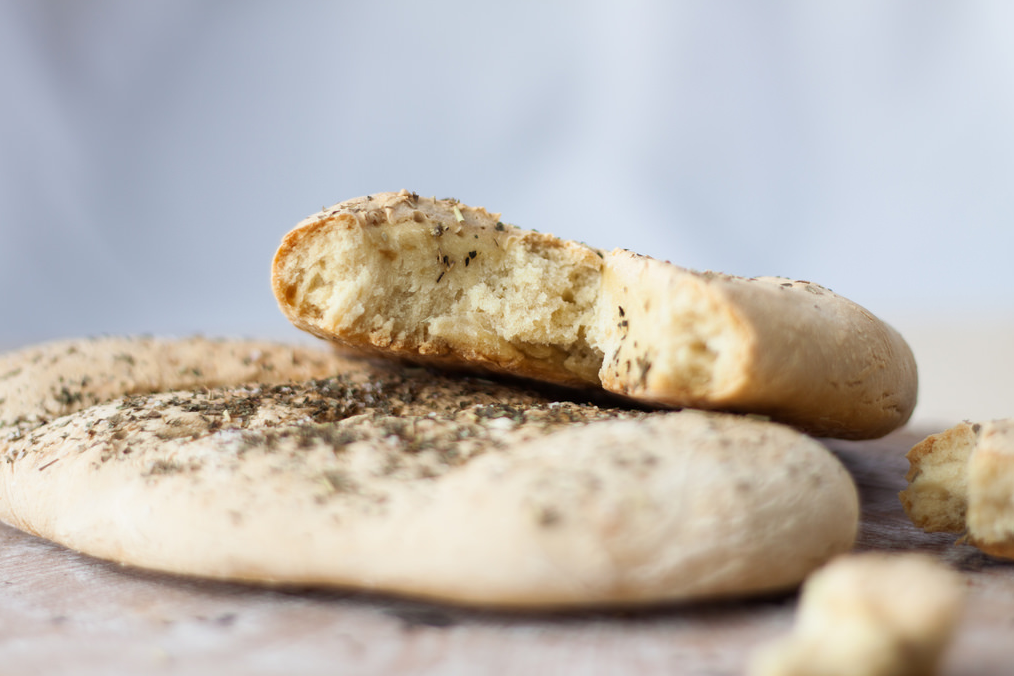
(472, 287)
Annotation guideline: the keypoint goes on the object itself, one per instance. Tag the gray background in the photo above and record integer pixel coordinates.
(152, 154)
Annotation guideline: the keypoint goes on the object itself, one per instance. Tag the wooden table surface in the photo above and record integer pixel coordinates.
(61, 612)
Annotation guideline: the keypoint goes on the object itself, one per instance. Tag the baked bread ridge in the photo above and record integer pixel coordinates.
(435, 492)
(43, 382)
(437, 281)
(961, 481)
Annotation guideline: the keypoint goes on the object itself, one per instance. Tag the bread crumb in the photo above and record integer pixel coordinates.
(871, 614)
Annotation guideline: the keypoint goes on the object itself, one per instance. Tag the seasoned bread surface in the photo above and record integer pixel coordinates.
(450, 488)
(42, 382)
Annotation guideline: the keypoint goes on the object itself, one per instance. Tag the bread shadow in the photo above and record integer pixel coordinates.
(416, 613)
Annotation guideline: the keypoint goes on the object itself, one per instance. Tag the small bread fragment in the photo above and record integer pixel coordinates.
(962, 481)
(869, 614)
(451, 489)
(990, 515)
(437, 281)
(936, 499)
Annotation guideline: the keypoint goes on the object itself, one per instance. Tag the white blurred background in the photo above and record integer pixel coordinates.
(153, 153)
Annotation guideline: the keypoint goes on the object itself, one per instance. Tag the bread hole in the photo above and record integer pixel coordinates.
(315, 283)
(290, 294)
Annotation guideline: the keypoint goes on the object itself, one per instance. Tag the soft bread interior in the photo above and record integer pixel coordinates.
(477, 289)
(435, 278)
(936, 499)
(670, 339)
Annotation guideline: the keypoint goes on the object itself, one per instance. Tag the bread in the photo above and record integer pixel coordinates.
(990, 517)
(42, 382)
(936, 498)
(869, 614)
(962, 481)
(440, 282)
(447, 488)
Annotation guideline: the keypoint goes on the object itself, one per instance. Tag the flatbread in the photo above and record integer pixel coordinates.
(454, 489)
(440, 282)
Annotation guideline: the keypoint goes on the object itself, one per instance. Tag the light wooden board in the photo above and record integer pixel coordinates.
(61, 612)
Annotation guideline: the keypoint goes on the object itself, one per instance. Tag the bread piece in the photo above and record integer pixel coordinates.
(452, 489)
(990, 515)
(936, 499)
(47, 381)
(869, 614)
(437, 281)
(962, 481)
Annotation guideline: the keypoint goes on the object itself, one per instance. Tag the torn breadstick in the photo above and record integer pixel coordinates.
(437, 281)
